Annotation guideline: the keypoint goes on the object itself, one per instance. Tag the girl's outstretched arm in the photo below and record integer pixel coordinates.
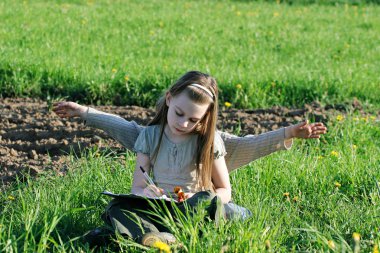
(123, 131)
(240, 150)
(221, 180)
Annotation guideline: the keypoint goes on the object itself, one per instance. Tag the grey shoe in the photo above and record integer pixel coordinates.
(97, 237)
(150, 238)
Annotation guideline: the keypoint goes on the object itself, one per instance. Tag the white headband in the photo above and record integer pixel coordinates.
(203, 88)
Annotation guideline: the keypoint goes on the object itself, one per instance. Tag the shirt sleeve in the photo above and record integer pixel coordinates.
(219, 148)
(142, 144)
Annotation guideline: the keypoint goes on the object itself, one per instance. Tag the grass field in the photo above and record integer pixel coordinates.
(104, 51)
(321, 196)
(312, 198)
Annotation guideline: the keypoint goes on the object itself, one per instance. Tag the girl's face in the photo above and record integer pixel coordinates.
(183, 114)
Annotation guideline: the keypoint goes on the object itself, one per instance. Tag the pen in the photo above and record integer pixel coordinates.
(147, 177)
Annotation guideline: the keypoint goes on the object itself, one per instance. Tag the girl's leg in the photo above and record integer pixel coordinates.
(127, 220)
(237, 212)
(212, 203)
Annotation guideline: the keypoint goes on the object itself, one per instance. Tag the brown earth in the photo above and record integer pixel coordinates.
(33, 139)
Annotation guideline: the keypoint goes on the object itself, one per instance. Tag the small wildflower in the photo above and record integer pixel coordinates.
(238, 86)
(267, 244)
(163, 247)
(356, 119)
(339, 117)
(364, 119)
(337, 184)
(354, 146)
(11, 198)
(373, 118)
(126, 78)
(356, 237)
(334, 153)
(114, 70)
(320, 157)
(276, 14)
(295, 199)
(331, 244)
(286, 194)
(375, 248)
(227, 104)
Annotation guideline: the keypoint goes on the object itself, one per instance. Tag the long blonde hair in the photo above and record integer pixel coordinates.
(205, 129)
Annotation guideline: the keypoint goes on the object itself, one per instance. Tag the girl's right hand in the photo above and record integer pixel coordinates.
(69, 109)
(152, 191)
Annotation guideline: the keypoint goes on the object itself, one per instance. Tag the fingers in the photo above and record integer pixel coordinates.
(303, 124)
(153, 191)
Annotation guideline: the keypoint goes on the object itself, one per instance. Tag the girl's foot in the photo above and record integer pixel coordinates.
(97, 237)
(149, 239)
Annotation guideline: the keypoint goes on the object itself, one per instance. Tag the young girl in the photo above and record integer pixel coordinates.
(181, 148)
(240, 150)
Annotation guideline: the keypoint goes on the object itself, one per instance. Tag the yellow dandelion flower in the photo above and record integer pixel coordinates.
(320, 157)
(267, 244)
(295, 199)
(356, 237)
(11, 198)
(114, 70)
(227, 104)
(331, 244)
(126, 78)
(163, 247)
(339, 117)
(364, 118)
(373, 118)
(238, 86)
(286, 194)
(354, 146)
(337, 184)
(276, 14)
(334, 153)
(375, 248)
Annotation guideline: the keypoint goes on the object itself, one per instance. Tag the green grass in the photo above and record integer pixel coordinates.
(279, 53)
(334, 181)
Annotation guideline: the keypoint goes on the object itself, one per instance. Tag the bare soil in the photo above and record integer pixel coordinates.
(34, 140)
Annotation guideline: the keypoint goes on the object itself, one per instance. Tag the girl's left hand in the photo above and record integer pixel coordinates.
(306, 130)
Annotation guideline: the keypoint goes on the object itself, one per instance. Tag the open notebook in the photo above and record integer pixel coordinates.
(116, 195)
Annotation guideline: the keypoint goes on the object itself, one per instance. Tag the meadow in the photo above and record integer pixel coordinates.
(321, 196)
(125, 52)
